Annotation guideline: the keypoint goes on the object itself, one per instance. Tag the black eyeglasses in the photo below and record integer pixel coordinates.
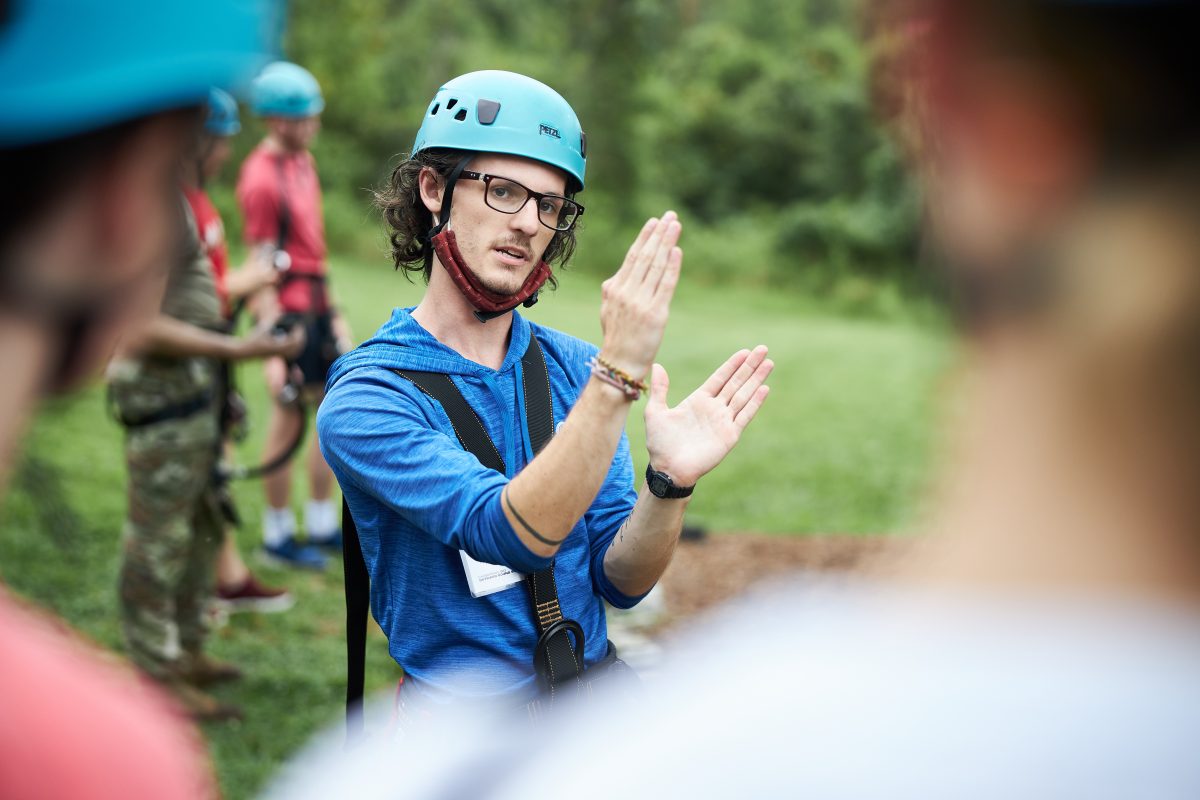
(505, 195)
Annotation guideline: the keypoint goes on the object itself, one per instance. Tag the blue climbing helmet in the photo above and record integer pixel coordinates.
(222, 119)
(492, 111)
(70, 66)
(286, 90)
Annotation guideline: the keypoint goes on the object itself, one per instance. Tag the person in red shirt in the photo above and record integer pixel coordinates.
(280, 198)
(237, 588)
(101, 101)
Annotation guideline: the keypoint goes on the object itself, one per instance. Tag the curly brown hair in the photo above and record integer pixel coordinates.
(399, 200)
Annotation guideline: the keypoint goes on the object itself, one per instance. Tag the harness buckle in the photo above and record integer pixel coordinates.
(553, 669)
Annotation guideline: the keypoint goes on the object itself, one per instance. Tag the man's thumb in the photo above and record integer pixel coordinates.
(659, 383)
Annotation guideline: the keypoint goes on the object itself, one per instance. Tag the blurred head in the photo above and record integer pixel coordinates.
(295, 135)
(100, 105)
(289, 98)
(1058, 142)
(1016, 111)
(497, 124)
(221, 123)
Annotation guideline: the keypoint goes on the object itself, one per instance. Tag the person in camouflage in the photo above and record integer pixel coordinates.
(164, 391)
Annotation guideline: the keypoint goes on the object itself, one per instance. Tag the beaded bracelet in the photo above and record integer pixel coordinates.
(619, 378)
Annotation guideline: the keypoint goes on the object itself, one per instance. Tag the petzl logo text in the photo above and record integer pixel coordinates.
(546, 130)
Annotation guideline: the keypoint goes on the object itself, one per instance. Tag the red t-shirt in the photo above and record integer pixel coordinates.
(212, 239)
(72, 726)
(267, 180)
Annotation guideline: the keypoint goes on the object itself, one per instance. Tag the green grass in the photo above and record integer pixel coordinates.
(841, 446)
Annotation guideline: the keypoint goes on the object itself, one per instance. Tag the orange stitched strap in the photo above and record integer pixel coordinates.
(549, 613)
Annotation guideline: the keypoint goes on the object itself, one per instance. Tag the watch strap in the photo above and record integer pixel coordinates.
(661, 485)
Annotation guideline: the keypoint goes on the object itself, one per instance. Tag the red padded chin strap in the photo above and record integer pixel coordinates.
(490, 303)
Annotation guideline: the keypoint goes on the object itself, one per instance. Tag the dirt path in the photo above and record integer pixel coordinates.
(721, 566)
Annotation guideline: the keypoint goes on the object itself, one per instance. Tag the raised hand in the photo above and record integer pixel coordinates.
(689, 440)
(635, 302)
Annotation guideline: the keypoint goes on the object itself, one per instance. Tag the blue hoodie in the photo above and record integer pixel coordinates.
(418, 498)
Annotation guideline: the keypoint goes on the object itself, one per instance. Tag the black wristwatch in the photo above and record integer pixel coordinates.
(661, 485)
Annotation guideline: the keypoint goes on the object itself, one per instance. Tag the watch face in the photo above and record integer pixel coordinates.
(661, 486)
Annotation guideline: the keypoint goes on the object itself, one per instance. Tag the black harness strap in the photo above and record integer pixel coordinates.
(284, 220)
(358, 604)
(317, 287)
(555, 656)
(466, 423)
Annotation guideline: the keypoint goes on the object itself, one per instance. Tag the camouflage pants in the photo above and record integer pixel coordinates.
(171, 536)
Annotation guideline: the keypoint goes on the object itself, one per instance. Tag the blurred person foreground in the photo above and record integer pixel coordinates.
(100, 104)
(1042, 639)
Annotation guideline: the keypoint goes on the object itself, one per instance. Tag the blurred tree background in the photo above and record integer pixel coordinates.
(751, 119)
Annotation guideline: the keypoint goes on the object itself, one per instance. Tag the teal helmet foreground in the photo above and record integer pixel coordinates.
(222, 119)
(286, 90)
(502, 112)
(70, 66)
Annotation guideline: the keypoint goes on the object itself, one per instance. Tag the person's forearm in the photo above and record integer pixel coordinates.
(167, 336)
(244, 282)
(551, 494)
(642, 549)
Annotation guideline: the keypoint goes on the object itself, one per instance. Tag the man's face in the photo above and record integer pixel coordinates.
(503, 249)
(296, 134)
(216, 155)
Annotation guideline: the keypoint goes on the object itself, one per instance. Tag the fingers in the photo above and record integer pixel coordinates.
(718, 379)
(651, 250)
(751, 408)
(743, 373)
(634, 251)
(658, 252)
(742, 397)
(665, 289)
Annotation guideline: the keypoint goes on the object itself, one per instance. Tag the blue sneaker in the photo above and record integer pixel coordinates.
(293, 554)
(331, 542)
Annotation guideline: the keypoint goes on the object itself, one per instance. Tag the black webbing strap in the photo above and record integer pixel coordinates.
(555, 657)
(180, 410)
(358, 604)
(283, 227)
(318, 292)
(466, 423)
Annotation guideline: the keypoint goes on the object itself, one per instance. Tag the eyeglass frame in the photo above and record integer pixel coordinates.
(487, 181)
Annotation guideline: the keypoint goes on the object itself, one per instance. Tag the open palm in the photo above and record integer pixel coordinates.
(689, 440)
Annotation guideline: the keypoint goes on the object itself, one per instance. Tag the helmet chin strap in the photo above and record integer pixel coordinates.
(487, 304)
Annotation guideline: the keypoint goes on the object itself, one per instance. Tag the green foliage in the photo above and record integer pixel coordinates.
(750, 119)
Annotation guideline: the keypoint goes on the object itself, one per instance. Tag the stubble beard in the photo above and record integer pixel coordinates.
(511, 282)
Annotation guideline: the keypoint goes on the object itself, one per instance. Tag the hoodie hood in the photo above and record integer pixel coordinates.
(401, 343)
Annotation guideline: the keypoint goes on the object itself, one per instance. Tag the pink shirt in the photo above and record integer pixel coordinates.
(267, 180)
(73, 726)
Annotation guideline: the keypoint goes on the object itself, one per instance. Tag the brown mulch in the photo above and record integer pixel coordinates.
(721, 566)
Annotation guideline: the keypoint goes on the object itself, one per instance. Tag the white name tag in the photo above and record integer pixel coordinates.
(484, 579)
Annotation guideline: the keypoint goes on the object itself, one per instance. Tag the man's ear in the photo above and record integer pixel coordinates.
(431, 186)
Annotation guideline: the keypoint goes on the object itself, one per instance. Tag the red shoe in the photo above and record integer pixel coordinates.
(253, 596)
